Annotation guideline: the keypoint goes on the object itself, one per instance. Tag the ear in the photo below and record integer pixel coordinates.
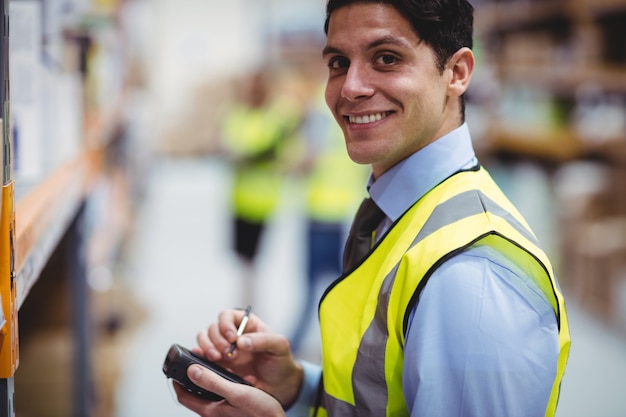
(461, 64)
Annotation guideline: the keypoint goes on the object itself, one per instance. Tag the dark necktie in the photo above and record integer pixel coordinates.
(360, 239)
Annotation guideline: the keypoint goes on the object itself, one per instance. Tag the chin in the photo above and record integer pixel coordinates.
(360, 157)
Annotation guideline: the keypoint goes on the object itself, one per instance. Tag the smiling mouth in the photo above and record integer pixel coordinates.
(371, 118)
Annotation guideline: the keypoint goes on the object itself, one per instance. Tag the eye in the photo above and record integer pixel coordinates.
(386, 59)
(338, 62)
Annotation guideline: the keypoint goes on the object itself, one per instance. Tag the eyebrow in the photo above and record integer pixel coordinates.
(385, 40)
(330, 50)
(389, 40)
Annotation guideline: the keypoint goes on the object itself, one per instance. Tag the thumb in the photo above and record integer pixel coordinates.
(206, 379)
(270, 343)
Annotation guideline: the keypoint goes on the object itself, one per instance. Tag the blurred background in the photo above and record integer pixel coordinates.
(135, 149)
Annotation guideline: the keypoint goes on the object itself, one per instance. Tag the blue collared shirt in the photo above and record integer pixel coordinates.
(482, 340)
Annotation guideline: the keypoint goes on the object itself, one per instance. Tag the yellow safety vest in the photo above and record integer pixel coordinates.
(364, 314)
(254, 139)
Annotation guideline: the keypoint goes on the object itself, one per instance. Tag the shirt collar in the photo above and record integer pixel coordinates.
(406, 182)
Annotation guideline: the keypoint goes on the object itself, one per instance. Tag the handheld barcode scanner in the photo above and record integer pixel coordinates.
(175, 366)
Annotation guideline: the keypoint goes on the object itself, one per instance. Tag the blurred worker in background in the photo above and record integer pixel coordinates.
(256, 133)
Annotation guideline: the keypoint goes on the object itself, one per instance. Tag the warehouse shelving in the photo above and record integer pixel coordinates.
(44, 218)
(565, 54)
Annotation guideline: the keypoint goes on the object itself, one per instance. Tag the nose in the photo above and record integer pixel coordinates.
(356, 85)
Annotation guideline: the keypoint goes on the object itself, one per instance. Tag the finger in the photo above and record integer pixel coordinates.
(220, 341)
(228, 323)
(209, 380)
(192, 402)
(207, 347)
(231, 324)
(269, 343)
(215, 343)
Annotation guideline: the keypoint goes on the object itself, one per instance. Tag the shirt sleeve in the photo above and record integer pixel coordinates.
(308, 391)
(482, 341)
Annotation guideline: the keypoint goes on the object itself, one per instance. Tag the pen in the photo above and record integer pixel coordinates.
(240, 330)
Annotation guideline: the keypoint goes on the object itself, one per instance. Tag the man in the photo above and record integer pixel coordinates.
(454, 311)
(255, 132)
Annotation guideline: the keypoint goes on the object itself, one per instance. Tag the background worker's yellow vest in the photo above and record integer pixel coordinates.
(334, 183)
(363, 315)
(255, 139)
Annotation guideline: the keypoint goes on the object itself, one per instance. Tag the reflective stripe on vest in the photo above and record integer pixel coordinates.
(363, 315)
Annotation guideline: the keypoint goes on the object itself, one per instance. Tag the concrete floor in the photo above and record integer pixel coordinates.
(180, 268)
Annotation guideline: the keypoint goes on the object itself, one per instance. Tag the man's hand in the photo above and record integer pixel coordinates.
(262, 357)
(239, 400)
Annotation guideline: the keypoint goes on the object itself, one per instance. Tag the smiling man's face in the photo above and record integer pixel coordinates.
(384, 86)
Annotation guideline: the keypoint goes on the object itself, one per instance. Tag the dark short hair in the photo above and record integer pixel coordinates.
(445, 25)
